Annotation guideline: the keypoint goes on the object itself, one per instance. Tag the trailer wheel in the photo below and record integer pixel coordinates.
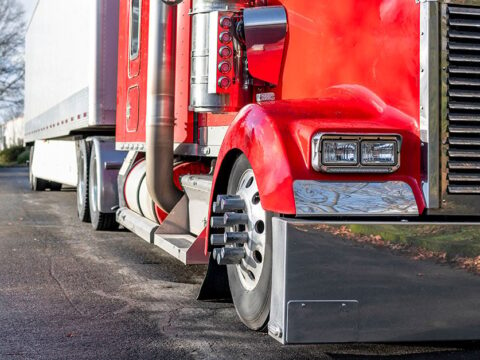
(251, 280)
(100, 221)
(83, 159)
(35, 183)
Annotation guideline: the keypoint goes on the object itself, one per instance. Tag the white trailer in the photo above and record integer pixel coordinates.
(70, 99)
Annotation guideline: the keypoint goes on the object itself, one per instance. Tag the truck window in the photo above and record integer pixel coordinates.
(134, 29)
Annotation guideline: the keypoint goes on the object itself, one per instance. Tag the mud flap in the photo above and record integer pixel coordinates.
(215, 285)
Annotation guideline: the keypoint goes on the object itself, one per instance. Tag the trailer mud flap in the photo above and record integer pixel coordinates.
(374, 282)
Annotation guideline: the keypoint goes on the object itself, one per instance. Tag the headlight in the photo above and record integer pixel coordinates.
(340, 152)
(356, 153)
(379, 152)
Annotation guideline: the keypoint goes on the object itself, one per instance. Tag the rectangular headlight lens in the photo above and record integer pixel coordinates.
(379, 153)
(337, 152)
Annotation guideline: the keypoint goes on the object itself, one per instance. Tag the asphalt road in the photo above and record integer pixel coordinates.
(67, 292)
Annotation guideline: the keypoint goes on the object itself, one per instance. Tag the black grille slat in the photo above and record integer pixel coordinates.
(461, 10)
(464, 46)
(460, 105)
(464, 93)
(463, 82)
(464, 189)
(465, 23)
(463, 96)
(464, 177)
(453, 140)
(462, 118)
(469, 35)
(464, 165)
(464, 70)
(460, 129)
(467, 59)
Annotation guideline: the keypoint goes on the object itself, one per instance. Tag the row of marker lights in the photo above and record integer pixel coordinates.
(225, 52)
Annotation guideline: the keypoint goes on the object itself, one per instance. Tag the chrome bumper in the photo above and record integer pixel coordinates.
(370, 282)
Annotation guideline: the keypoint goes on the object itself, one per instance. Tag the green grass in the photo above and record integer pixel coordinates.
(14, 156)
(23, 157)
(452, 240)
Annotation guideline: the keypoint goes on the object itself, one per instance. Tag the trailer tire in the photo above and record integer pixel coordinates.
(35, 183)
(83, 159)
(100, 221)
(252, 301)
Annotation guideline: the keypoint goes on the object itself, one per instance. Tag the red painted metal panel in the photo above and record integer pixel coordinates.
(276, 138)
(131, 74)
(134, 73)
(183, 118)
(372, 43)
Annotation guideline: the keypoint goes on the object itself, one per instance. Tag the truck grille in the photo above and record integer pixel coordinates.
(463, 109)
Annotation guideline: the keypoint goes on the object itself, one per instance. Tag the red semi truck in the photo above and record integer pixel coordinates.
(322, 157)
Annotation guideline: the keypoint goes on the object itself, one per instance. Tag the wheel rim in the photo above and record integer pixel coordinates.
(251, 266)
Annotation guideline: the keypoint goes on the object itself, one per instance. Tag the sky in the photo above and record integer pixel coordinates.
(29, 6)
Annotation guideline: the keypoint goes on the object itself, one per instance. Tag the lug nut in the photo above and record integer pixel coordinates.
(230, 256)
(217, 239)
(216, 208)
(217, 222)
(239, 238)
(216, 254)
(232, 219)
(232, 204)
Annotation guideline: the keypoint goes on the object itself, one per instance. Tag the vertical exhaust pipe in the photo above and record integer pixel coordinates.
(160, 118)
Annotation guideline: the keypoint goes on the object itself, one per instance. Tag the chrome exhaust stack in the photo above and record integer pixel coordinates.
(160, 104)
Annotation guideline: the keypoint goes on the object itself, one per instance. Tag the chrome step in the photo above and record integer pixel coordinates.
(137, 224)
(185, 247)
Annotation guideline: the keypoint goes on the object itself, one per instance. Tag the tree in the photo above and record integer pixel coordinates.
(12, 65)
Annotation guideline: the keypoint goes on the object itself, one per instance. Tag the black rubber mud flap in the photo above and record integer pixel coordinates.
(215, 285)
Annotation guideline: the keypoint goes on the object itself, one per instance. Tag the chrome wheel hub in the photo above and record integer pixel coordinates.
(250, 268)
(243, 243)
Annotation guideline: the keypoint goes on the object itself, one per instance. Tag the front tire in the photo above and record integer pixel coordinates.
(251, 281)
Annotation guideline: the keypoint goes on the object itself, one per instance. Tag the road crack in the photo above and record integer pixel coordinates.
(62, 288)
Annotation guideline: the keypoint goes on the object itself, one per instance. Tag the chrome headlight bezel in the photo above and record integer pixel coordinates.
(360, 166)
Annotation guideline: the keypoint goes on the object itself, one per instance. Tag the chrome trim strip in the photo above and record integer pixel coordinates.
(210, 151)
(430, 101)
(354, 198)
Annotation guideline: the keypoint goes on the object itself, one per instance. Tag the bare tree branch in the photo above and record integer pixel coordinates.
(12, 67)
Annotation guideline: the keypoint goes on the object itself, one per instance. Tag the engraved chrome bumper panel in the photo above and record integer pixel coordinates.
(354, 198)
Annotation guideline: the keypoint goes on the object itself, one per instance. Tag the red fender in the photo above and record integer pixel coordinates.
(276, 138)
